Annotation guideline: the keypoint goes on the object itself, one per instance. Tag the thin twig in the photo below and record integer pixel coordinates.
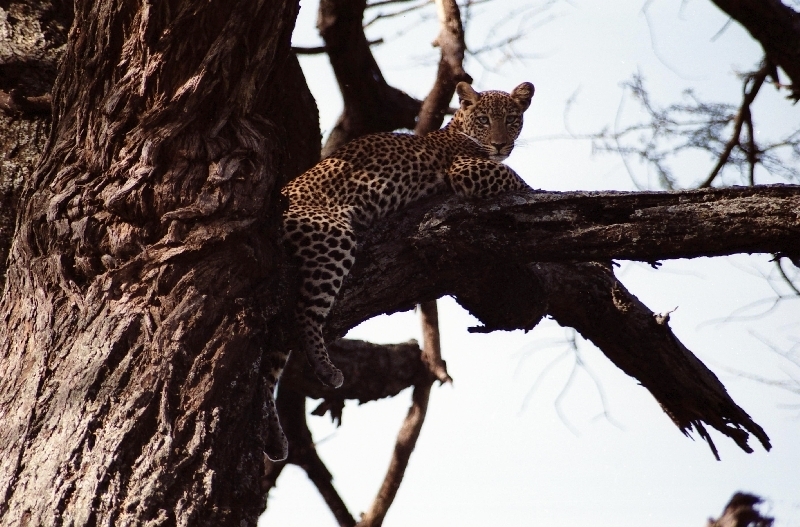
(782, 272)
(752, 149)
(383, 16)
(386, 2)
(316, 50)
(741, 117)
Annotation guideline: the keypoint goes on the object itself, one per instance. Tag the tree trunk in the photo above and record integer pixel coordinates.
(34, 38)
(145, 281)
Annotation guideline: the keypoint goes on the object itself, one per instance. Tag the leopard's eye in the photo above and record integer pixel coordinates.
(482, 119)
(512, 119)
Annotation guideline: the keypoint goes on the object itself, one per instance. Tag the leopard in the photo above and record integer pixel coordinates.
(376, 175)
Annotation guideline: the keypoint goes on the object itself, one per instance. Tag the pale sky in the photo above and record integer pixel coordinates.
(492, 452)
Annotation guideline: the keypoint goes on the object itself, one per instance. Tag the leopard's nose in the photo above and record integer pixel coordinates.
(499, 146)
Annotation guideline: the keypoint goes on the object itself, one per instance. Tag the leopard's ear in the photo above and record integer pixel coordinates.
(523, 94)
(466, 95)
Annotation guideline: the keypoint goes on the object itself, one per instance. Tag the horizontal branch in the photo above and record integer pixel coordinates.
(14, 103)
(484, 253)
(317, 50)
(438, 246)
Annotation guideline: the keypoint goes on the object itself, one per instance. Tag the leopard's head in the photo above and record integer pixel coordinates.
(492, 119)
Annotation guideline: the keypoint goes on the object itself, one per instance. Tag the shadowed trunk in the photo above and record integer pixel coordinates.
(144, 282)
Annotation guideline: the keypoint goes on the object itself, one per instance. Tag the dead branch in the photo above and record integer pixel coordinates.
(777, 27)
(303, 453)
(399, 12)
(451, 42)
(742, 511)
(371, 371)
(406, 440)
(648, 351)
(401, 261)
(450, 71)
(318, 50)
(401, 264)
(700, 126)
(432, 348)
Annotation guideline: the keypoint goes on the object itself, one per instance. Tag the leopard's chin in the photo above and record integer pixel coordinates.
(498, 158)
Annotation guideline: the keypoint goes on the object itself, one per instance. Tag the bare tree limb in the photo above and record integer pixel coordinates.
(742, 116)
(741, 511)
(399, 12)
(14, 103)
(401, 262)
(432, 348)
(648, 351)
(450, 72)
(370, 104)
(318, 50)
(303, 453)
(777, 27)
(371, 372)
(406, 440)
(451, 42)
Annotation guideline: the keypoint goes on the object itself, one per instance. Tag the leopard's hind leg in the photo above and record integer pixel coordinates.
(325, 245)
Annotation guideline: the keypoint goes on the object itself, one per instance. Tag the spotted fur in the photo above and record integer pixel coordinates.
(376, 175)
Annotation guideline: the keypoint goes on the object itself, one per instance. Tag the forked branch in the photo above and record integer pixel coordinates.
(743, 116)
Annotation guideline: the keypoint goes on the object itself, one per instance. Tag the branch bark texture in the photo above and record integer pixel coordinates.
(34, 39)
(403, 261)
(146, 278)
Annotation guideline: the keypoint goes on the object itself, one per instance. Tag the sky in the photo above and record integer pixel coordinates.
(513, 441)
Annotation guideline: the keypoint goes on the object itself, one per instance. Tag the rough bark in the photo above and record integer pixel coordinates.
(403, 262)
(146, 280)
(777, 27)
(490, 243)
(35, 34)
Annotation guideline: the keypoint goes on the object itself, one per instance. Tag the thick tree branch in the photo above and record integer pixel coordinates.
(646, 349)
(303, 453)
(371, 372)
(488, 243)
(589, 298)
(402, 261)
(777, 27)
(370, 104)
